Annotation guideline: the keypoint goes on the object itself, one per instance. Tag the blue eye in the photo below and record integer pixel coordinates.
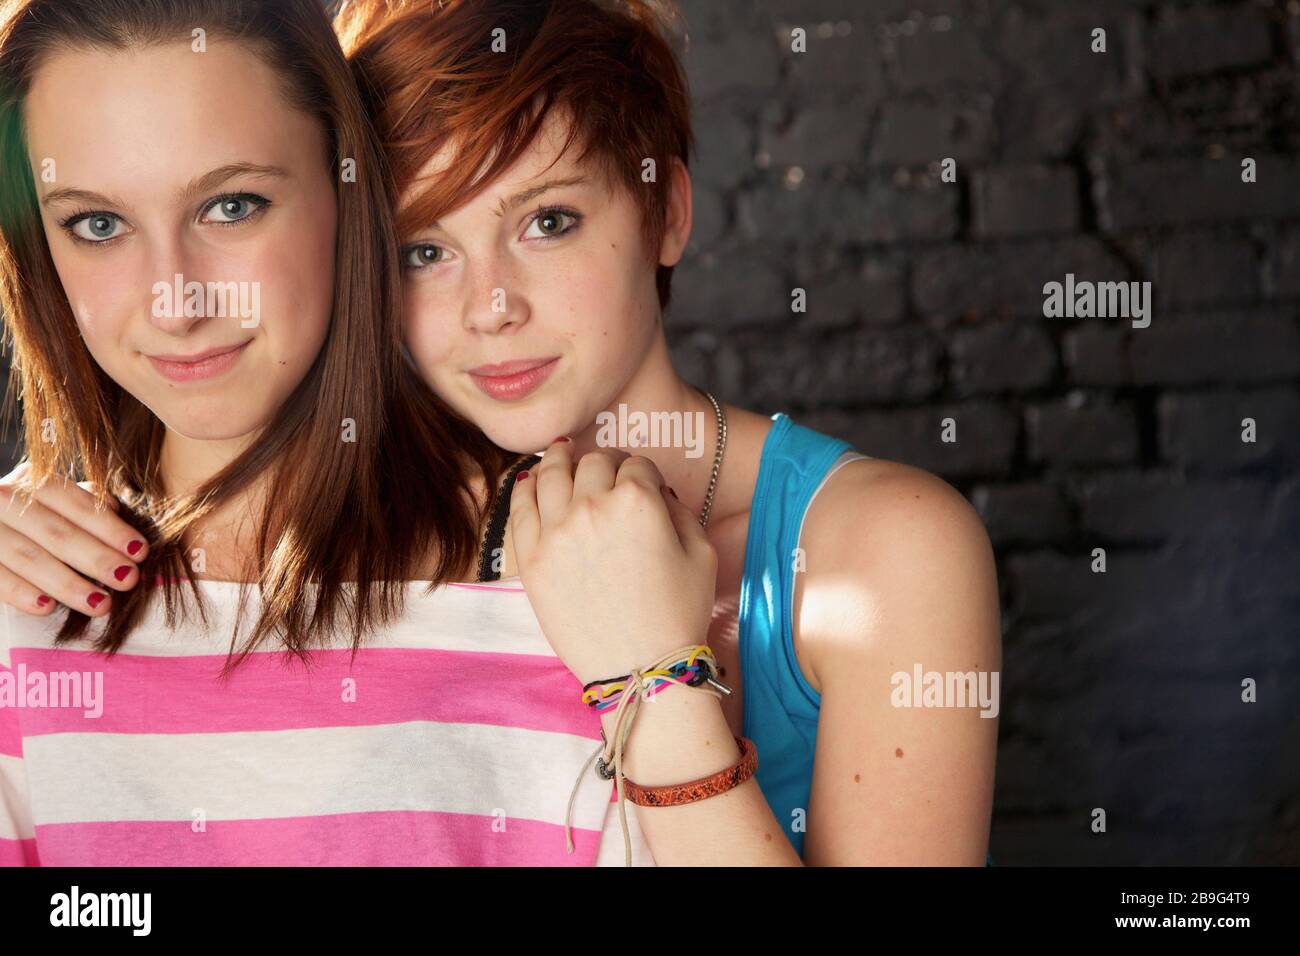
(235, 208)
(424, 254)
(94, 226)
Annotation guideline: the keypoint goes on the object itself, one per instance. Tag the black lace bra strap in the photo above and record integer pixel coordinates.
(496, 529)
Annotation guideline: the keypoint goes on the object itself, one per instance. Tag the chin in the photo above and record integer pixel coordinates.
(210, 424)
(517, 437)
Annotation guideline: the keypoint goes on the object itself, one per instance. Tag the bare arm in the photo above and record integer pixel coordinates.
(900, 576)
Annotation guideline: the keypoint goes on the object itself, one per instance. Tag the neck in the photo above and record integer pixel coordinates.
(225, 534)
(686, 442)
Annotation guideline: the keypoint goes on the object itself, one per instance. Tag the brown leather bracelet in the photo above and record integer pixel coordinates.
(701, 789)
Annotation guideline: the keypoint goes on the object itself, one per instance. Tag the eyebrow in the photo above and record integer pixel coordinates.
(523, 196)
(208, 181)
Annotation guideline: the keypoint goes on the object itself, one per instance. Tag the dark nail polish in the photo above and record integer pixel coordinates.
(43, 600)
(134, 546)
(521, 476)
(95, 598)
(122, 571)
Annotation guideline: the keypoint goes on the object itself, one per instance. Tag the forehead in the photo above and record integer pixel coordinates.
(543, 158)
(145, 117)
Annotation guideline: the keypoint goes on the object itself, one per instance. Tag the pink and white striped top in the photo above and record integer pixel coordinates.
(453, 738)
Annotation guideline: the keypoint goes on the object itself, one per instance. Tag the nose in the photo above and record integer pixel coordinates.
(178, 293)
(495, 300)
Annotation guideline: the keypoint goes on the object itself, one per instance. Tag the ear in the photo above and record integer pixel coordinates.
(677, 227)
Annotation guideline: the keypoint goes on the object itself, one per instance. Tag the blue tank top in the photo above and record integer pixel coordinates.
(780, 706)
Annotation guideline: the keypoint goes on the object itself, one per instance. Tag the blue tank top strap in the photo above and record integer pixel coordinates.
(780, 707)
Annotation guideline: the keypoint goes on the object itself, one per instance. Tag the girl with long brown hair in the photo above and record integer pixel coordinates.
(159, 156)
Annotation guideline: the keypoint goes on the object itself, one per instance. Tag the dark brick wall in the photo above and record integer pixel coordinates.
(821, 171)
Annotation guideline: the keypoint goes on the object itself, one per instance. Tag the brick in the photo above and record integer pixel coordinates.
(1151, 507)
(1096, 355)
(1094, 433)
(1022, 513)
(1007, 277)
(918, 133)
(1159, 192)
(1205, 40)
(1051, 49)
(924, 209)
(843, 296)
(1223, 347)
(1005, 356)
(734, 59)
(1075, 607)
(939, 53)
(1054, 80)
(709, 218)
(1202, 431)
(730, 287)
(1284, 273)
(817, 136)
(836, 212)
(841, 54)
(1025, 200)
(725, 147)
(1204, 269)
(985, 446)
(841, 369)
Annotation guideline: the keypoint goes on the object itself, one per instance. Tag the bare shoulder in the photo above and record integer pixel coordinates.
(871, 509)
(894, 556)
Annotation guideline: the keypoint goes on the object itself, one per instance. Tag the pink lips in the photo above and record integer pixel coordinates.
(211, 363)
(510, 381)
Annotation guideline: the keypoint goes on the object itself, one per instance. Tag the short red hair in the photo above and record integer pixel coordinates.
(431, 78)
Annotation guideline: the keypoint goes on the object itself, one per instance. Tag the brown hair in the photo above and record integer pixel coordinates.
(430, 77)
(366, 511)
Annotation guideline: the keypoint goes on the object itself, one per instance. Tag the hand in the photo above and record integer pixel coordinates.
(619, 572)
(46, 538)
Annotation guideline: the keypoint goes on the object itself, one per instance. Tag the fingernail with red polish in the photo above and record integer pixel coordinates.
(561, 438)
(134, 546)
(122, 571)
(43, 600)
(521, 476)
(95, 598)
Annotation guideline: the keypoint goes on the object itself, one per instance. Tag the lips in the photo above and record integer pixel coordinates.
(201, 365)
(511, 381)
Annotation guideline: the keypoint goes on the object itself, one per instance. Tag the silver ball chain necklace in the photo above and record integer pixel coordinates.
(717, 457)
